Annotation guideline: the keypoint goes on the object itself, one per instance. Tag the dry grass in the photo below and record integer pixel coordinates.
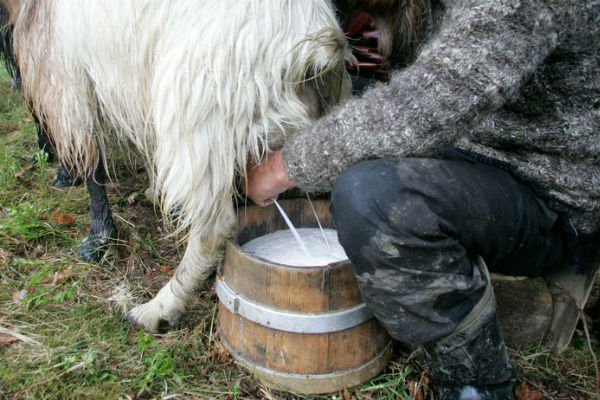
(61, 334)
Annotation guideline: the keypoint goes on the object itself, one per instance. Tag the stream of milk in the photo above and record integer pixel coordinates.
(292, 229)
(290, 246)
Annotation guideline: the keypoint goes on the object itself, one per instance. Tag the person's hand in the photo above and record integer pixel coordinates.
(265, 181)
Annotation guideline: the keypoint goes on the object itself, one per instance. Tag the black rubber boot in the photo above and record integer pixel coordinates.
(472, 363)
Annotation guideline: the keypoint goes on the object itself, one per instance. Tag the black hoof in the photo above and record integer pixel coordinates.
(64, 179)
(93, 247)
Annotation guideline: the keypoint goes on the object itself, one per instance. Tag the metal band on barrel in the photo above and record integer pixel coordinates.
(290, 321)
(315, 383)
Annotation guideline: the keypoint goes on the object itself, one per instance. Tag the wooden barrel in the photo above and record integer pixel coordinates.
(301, 329)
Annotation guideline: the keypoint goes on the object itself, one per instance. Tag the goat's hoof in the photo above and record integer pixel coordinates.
(148, 316)
(64, 179)
(92, 247)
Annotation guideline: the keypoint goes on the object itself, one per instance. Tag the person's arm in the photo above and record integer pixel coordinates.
(477, 60)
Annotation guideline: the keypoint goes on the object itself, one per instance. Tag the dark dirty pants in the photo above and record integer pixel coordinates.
(412, 228)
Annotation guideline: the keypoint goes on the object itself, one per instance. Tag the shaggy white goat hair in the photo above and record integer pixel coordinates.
(199, 87)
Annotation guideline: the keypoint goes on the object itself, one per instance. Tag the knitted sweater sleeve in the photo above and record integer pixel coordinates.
(475, 61)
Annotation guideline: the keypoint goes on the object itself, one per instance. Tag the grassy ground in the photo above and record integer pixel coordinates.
(61, 334)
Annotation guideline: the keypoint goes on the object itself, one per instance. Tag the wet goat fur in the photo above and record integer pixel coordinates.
(199, 88)
(102, 227)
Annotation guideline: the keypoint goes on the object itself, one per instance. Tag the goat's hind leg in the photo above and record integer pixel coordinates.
(103, 228)
(63, 177)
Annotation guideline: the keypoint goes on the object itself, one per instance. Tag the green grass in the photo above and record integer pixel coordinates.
(73, 344)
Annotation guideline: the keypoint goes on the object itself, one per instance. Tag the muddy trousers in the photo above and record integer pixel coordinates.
(420, 232)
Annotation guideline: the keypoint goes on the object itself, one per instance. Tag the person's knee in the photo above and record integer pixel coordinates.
(392, 209)
(389, 192)
(353, 190)
(354, 200)
(359, 191)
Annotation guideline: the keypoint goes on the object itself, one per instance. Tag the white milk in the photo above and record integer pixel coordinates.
(282, 247)
(293, 228)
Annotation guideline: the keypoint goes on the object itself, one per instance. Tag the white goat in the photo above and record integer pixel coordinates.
(199, 87)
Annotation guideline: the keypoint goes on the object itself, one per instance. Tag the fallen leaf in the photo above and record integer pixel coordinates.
(63, 219)
(60, 276)
(21, 178)
(524, 391)
(7, 339)
(219, 354)
(346, 394)
(418, 390)
(414, 390)
(6, 334)
(167, 269)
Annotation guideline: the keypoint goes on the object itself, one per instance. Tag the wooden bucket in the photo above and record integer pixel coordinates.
(301, 329)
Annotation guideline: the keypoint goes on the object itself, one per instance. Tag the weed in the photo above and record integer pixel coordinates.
(158, 364)
(41, 158)
(145, 341)
(235, 390)
(391, 385)
(64, 295)
(8, 172)
(26, 222)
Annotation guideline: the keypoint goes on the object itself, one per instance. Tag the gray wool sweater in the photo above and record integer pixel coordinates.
(510, 82)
